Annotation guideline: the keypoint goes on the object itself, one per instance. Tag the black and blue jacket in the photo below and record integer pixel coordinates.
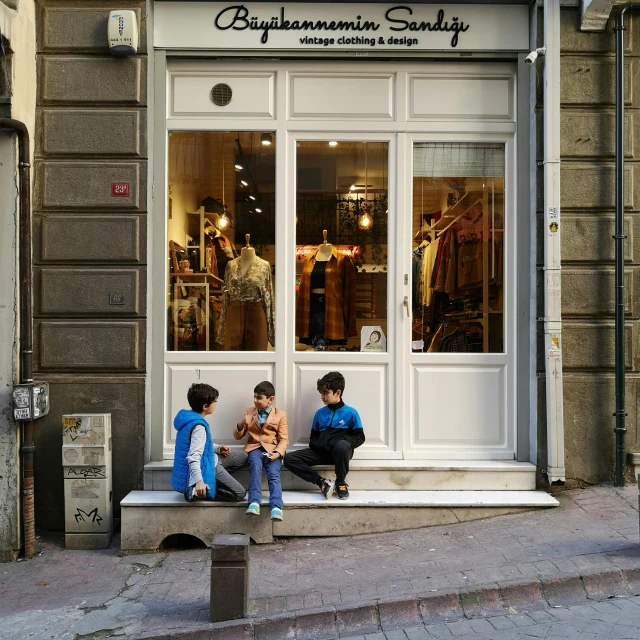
(335, 422)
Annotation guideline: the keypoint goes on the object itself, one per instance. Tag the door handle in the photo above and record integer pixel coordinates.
(406, 305)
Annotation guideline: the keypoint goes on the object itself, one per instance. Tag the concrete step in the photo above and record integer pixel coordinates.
(149, 517)
(393, 475)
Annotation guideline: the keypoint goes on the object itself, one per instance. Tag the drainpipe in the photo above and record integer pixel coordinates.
(620, 414)
(552, 229)
(26, 325)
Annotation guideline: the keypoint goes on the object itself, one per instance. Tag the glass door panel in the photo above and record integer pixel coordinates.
(457, 294)
(341, 246)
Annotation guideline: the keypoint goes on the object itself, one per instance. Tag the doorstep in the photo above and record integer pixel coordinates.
(393, 475)
(148, 517)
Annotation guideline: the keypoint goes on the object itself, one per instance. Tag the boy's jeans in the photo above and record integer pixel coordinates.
(227, 487)
(256, 463)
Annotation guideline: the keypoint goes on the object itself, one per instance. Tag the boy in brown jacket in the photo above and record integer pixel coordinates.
(266, 445)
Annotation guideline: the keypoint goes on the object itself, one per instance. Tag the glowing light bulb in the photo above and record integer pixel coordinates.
(223, 222)
(244, 183)
(333, 143)
(365, 221)
(258, 210)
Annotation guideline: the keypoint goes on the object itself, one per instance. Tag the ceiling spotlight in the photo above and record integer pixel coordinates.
(244, 183)
(222, 222)
(252, 197)
(258, 210)
(333, 143)
(238, 166)
(266, 139)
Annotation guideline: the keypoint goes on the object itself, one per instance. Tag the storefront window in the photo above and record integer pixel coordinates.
(458, 250)
(221, 241)
(341, 246)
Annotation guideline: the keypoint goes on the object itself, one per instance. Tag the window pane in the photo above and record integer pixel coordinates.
(221, 291)
(341, 280)
(458, 250)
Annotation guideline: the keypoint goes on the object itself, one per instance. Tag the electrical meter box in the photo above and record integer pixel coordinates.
(86, 464)
(30, 401)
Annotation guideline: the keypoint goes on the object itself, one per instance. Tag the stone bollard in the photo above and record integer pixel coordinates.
(229, 598)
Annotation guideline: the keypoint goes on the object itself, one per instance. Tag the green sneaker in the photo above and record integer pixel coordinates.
(253, 509)
(276, 514)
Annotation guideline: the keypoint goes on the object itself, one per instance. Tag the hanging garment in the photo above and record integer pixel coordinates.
(339, 302)
(254, 286)
(417, 274)
(428, 264)
(219, 252)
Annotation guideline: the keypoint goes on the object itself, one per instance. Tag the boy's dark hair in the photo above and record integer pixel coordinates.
(333, 381)
(200, 394)
(265, 389)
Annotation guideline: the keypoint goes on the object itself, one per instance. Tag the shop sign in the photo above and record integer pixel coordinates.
(357, 27)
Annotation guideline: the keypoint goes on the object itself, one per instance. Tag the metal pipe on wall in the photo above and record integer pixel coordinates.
(26, 324)
(552, 230)
(620, 413)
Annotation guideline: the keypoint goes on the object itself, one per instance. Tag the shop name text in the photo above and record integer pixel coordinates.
(239, 18)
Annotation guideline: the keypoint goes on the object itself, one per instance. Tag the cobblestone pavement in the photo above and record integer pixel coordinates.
(595, 529)
(618, 618)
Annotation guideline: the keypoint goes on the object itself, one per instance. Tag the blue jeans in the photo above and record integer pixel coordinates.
(256, 462)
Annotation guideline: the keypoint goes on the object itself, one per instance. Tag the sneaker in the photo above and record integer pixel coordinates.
(253, 509)
(325, 487)
(276, 514)
(341, 490)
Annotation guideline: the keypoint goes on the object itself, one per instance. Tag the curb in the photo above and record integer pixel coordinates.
(386, 614)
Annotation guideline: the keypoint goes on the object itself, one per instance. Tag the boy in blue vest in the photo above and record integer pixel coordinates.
(336, 432)
(197, 471)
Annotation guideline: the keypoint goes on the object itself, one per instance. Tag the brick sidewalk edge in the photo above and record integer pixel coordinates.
(387, 614)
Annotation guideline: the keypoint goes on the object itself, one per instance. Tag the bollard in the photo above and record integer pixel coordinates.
(229, 598)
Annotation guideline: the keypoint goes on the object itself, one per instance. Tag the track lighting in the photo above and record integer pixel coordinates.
(266, 139)
(252, 197)
(244, 183)
(258, 210)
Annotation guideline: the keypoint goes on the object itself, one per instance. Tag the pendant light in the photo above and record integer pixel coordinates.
(222, 221)
(365, 221)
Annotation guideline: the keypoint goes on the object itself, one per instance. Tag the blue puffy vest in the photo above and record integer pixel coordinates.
(184, 423)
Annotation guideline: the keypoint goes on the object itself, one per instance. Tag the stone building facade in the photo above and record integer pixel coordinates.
(91, 125)
(90, 132)
(587, 198)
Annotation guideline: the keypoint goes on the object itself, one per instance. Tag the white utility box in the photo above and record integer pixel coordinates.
(86, 464)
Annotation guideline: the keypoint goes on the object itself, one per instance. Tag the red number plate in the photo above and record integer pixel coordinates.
(120, 189)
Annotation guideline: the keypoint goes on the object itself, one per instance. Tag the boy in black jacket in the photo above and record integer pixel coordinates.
(335, 434)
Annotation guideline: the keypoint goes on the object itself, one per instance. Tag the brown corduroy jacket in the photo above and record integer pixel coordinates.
(273, 436)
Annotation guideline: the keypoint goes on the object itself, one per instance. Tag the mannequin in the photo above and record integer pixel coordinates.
(325, 249)
(320, 321)
(247, 256)
(247, 315)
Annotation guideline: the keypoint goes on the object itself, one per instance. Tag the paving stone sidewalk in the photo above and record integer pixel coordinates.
(616, 619)
(70, 594)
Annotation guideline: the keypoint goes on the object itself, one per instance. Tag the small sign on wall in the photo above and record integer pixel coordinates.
(120, 189)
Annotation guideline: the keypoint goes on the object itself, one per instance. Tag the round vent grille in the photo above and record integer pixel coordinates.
(221, 94)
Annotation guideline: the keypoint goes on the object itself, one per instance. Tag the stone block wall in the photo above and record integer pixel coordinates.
(587, 199)
(90, 252)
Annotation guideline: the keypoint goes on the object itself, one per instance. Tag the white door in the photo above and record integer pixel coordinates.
(346, 185)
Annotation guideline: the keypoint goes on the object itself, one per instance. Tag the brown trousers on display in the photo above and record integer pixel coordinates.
(245, 327)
